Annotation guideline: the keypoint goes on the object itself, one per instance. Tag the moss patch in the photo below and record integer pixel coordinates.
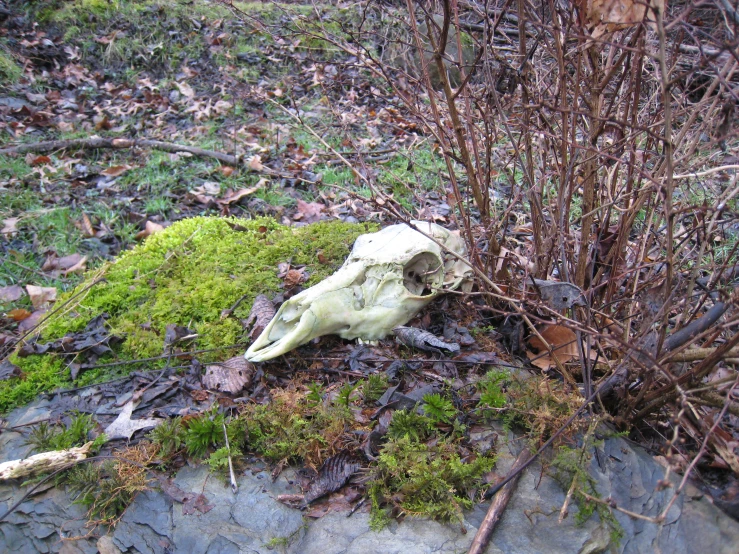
(186, 275)
(424, 479)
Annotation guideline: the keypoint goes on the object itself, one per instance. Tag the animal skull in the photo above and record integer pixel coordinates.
(387, 279)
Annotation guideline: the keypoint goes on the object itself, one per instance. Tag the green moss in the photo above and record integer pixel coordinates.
(45, 437)
(10, 71)
(424, 479)
(294, 428)
(40, 373)
(186, 275)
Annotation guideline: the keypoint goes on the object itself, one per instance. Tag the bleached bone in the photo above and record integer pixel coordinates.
(387, 279)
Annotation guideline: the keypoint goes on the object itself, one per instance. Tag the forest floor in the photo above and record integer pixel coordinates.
(270, 113)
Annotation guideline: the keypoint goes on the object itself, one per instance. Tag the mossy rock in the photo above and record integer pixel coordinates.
(186, 275)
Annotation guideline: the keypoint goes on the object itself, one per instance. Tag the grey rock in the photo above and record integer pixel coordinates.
(337, 534)
(106, 545)
(254, 521)
(250, 519)
(41, 522)
(146, 526)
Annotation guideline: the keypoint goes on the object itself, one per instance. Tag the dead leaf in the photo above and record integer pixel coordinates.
(256, 163)
(563, 343)
(222, 107)
(86, 226)
(185, 89)
(605, 16)
(199, 503)
(123, 427)
(423, 340)
(309, 212)
(262, 312)
(31, 321)
(559, 295)
(79, 267)
(294, 277)
(19, 314)
(226, 170)
(234, 197)
(231, 376)
(37, 160)
(208, 188)
(8, 370)
(149, 230)
(115, 170)
(333, 475)
(11, 293)
(10, 226)
(64, 263)
(41, 297)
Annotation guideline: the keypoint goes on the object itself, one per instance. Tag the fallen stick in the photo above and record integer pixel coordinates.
(119, 143)
(43, 463)
(496, 509)
(694, 354)
(673, 342)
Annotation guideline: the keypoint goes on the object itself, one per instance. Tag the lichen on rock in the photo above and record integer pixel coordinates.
(185, 275)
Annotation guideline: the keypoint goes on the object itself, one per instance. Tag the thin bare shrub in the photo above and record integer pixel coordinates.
(594, 153)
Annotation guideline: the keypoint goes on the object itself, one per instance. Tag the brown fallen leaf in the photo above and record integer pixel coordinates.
(563, 343)
(262, 312)
(309, 212)
(79, 267)
(19, 314)
(226, 170)
(86, 226)
(185, 89)
(10, 228)
(256, 163)
(115, 170)
(41, 297)
(11, 293)
(205, 193)
(235, 196)
(231, 376)
(294, 277)
(149, 229)
(605, 16)
(64, 263)
(37, 160)
(31, 321)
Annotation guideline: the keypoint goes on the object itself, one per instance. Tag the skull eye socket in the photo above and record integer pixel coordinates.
(423, 275)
